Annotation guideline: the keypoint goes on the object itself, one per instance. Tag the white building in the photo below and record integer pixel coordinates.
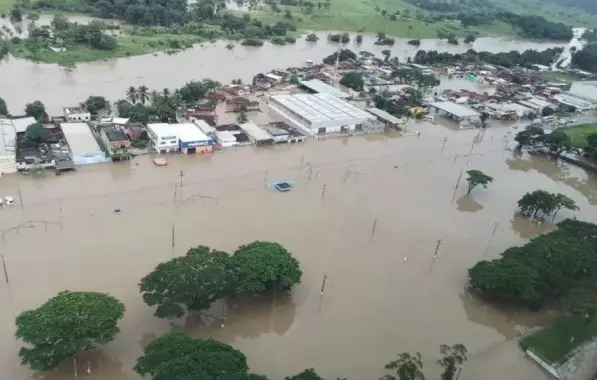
(582, 93)
(163, 138)
(76, 114)
(8, 141)
(320, 113)
(83, 145)
(257, 135)
(184, 137)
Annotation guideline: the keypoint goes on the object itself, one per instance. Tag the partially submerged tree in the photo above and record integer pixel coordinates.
(3, 108)
(261, 266)
(308, 374)
(406, 367)
(177, 356)
(193, 282)
(453, 358)
(546, 268)
(65, 325)
(36, 133)
(95, 104)
(476, 178)
(36, 110)
(529, 136)
(541, 203)
(557, 142)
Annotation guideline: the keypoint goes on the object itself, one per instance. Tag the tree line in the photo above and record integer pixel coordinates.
(586, 58)
(546, 268)
(510, 59)
(74, 322)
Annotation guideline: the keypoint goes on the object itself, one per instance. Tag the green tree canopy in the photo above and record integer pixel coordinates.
(546, 268)
(66, 324)
(405, 367)
(476, 178)
(36, 110)
(529, 136)
(353, 80)
(96, 103)
(176, 356)
(308, 374)
(541, 203)
(453, 357)
(261, 266)
(3, 108)
(193, 281)
(557, 142)
(36, 133)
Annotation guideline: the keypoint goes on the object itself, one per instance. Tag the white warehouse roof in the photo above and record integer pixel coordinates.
(79, 138)
(255, 132)
(323, 108)
(455, 109)
(321, 87)
(188, 132)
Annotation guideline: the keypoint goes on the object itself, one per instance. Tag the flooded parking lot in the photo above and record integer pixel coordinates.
(384, 293)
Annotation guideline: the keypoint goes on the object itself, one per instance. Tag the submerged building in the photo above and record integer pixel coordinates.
(321, 114)
(83, 145)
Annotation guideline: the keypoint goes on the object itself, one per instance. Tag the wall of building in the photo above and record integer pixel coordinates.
(89, 158)
(74, 117)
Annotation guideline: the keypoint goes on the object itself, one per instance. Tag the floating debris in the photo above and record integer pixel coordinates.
(160, 161)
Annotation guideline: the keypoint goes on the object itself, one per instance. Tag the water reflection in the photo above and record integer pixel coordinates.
(581, 180)
(244, 317)
(93, 364)
(467, 204)
(509, 323)
(528, 228)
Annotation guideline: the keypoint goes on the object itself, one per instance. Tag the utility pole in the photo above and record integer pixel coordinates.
(323, 192)
(439, 242)
(20, 198)
(443, 146)
(457, 183)
(323, 283)
(181, 175)
(373, 229)
(5, 270)
(495, 227)
(173, 236)
(302, 159)
(265, 179)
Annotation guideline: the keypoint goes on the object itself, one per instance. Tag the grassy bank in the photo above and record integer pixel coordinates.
(128, 45)
(556, 343)
(365, 17)
(5, 5)
(579, 134)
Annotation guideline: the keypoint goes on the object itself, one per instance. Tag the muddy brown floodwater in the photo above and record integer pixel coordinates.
(384, 293)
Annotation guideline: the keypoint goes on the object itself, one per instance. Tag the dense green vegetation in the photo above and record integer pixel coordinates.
(477, 178)
(69, 323)
(142, 105)
(586, 59)
(555, 343)
(546, 268)
(541, 204)
(194, 281)
(510, 59)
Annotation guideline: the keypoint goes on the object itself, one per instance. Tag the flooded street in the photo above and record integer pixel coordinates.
(384, 293)
(24, 81)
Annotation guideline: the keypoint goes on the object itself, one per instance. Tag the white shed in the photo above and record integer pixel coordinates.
(83, 145)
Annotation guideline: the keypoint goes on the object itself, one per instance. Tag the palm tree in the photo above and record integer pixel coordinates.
(406, 367)
(166, 92)
(131, 94)
(242, 116)
(143, 94)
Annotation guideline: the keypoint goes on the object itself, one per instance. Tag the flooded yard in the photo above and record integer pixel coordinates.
(384, 293)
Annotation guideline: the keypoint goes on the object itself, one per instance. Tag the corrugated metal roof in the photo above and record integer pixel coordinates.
(79, 138)
(323, 88)
(255, 132)
(384, 115)
(322, 108)
(455, 109)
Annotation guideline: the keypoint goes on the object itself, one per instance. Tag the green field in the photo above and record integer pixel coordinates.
(361, 16)
(5, 5)
(128, 45)
(549, 10)
(579, 134)
(557, 342)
